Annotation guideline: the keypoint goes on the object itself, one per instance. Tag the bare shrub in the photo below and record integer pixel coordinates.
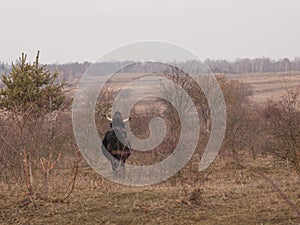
(283, 118)
(241, 118)
(103, 107)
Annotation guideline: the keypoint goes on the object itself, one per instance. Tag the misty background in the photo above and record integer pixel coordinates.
(78, 31)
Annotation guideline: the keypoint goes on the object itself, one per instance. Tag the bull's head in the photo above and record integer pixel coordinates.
(117, 116)
(110, 119)
(118, 125)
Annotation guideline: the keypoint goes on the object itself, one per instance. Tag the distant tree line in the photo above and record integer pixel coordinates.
(4, 67)
(71, 71)
(238, 66)
(257, 65)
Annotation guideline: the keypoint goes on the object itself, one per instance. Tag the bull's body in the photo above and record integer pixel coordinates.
(115, 150)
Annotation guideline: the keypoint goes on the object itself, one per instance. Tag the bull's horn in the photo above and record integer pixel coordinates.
(108, 118)
(126, 120)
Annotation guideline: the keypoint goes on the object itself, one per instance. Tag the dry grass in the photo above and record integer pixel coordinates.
(224, 194)
(268, 85)
(263, 85)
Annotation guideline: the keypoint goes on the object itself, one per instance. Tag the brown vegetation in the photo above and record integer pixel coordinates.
(47, 182)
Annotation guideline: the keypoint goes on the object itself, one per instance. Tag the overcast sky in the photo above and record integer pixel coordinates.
(68, 31)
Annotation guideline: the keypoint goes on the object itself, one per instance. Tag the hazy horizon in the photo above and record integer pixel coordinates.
(77, 31)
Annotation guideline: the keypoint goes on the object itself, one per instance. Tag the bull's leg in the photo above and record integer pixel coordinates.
(120, 171)
(116, 162)
(124, 155)
(114, 165)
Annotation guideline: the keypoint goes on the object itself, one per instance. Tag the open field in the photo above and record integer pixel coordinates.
(268, 85)
(263, 85)
(256, 191)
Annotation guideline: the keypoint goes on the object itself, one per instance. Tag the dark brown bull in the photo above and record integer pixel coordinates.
(113, 147)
